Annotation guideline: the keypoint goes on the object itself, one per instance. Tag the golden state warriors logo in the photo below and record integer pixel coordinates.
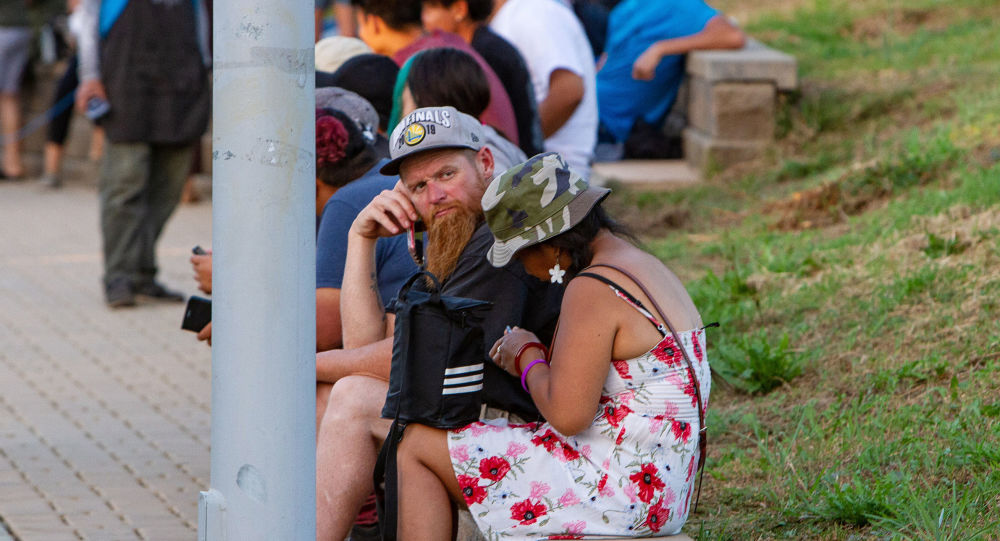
(414, 134)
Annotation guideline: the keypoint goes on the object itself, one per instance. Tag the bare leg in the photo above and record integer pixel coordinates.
(427, 484)
(10, 116)
(349, 437)
(322, 398)
(96, 144)
(53, 158)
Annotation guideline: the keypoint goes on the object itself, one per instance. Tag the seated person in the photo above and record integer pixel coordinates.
(644, 66)
(618, 454)
(555, 47)
(347, 178)
(442, 177)
(370, 76)
(446, 76)
(467, 19)
(393, 28)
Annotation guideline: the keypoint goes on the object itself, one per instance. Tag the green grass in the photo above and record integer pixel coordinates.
(857, 367)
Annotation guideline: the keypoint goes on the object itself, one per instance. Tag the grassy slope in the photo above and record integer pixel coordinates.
(855, 272)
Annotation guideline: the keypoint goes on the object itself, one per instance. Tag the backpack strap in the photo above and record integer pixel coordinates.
(702, 429)
(387, 496)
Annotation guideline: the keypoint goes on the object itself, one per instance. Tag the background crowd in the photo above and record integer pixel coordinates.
(530, 76)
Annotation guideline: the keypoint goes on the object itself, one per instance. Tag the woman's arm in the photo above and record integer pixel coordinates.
(568, 390)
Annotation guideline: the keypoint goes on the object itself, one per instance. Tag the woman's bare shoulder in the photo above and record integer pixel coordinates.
(661, 283)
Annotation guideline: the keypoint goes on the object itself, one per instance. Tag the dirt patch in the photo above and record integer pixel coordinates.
(986, 154)
(903, 253)
(823, 206)
(817, 207)
(902, 22)
(656, 222)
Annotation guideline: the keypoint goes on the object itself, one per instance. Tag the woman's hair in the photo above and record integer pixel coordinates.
(576, 241)
(342, 153)
(448, 76)
(479, 10)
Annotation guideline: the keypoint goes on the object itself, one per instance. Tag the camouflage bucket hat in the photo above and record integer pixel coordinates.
(534, 201)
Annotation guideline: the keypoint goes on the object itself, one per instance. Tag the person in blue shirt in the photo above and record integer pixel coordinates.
(347, 179)
(644, 64)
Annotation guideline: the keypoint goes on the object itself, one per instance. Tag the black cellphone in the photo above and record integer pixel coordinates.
(198, 250)
(197, 314)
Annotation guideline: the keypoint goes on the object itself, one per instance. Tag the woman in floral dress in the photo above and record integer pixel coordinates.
(618, 454)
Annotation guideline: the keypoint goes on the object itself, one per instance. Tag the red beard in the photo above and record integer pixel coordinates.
(448, 236)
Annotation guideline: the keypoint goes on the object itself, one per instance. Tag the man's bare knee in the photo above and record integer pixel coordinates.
(356, 398)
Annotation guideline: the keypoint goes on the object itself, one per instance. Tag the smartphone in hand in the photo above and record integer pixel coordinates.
(198, 250)
(197, 314)
(97, 108)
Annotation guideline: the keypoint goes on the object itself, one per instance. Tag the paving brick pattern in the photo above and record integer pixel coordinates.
(104, 415)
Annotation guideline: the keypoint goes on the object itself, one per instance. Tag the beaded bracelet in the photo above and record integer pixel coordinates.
(524, 375)
(520, 351)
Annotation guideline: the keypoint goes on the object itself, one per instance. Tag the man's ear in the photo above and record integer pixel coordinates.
(484, 160)
(376, 23)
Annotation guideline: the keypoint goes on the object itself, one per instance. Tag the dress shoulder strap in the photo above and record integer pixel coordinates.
(624, 295)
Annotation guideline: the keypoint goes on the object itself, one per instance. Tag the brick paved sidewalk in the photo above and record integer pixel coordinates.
(104, 415)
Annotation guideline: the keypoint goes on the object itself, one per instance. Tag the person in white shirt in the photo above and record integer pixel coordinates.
(555, 47)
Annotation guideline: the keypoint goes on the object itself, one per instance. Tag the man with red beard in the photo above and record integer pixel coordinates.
(444, 169)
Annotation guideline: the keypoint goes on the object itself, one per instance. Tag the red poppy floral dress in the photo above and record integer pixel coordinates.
(630, 474)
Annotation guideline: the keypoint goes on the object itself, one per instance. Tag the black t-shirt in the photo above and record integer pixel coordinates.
(509, 66)
(518, 299)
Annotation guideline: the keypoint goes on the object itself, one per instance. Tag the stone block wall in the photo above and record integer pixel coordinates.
(731, 104)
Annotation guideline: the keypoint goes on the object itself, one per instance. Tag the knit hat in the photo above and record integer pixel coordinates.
(534, 201)
(332, 52)
(357, 109)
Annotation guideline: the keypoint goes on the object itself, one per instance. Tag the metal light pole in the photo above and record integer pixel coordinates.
(263, 465)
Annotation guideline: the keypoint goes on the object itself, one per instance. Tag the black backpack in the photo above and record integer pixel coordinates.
(436, 378)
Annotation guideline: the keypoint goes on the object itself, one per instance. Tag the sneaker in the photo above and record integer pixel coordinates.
(157, 291)
(50, 181)
(119, 293)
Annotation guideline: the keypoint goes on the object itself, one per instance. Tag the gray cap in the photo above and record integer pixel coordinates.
(431, 128)
(354, 106)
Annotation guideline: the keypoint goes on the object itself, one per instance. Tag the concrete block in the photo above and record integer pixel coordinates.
(704, 152)
(645, 174)
(732, 110)
(755, 62)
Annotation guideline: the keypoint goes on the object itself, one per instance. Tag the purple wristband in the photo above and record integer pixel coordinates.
(524, 375)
